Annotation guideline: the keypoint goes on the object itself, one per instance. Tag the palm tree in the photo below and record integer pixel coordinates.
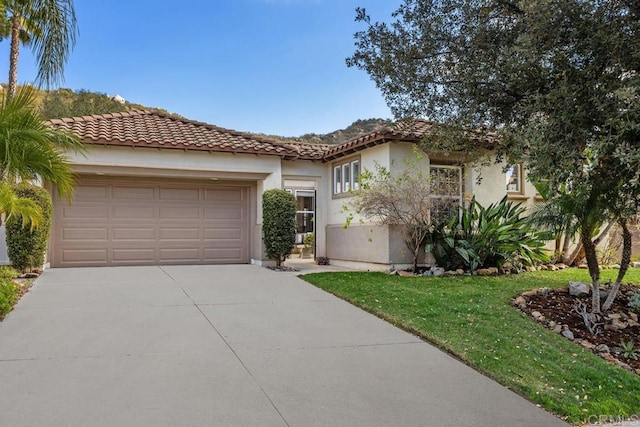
(29, 149)
(49, 27)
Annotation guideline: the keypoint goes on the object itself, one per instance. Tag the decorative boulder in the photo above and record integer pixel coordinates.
(579, 289)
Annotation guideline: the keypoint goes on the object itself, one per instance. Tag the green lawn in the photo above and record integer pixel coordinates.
(472, 318)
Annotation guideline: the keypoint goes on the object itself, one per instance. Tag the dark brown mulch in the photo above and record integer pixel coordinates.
(558, 306)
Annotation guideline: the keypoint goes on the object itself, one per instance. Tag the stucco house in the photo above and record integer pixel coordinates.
(158, 189)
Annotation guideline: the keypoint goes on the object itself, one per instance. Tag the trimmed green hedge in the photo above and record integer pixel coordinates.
(278, 224)
(26, 247)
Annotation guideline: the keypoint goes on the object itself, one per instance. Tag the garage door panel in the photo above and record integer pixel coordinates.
(180, 194)
(223, 254)
(126, 221)
(84, 234)
(225, 195)
(218, 213)
(85, 212)
(223, 233)
(134, 255)
(134, 212)
(133, 193)
(130, 233)
(91, 192)
(180, 212)
(84, 256)
(180, 254)
(180, 234)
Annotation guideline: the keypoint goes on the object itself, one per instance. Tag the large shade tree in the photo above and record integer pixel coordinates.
(48, 27)
(557, 80)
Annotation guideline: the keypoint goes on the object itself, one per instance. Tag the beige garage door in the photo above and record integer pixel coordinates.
(132, 222)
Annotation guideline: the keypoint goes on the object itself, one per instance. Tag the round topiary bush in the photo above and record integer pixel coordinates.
(278, 224)
(26, 247)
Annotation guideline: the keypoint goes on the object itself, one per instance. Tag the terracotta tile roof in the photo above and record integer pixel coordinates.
(141, 128)
(410, 130)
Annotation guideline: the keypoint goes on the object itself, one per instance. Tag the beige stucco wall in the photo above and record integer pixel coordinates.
(492, 187)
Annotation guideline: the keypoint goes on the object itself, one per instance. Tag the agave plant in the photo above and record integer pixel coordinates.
(488, 237)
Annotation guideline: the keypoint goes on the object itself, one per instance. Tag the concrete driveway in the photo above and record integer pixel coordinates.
(228, 346)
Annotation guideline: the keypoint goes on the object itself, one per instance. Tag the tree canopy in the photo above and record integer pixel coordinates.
(558, 81)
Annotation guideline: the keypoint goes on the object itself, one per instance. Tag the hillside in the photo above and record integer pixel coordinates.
(68, 103)
(354, 130)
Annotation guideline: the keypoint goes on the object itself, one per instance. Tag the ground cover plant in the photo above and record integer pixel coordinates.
(472, 318)
(10, 291)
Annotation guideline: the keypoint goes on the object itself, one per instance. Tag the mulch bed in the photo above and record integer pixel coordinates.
(558, 310)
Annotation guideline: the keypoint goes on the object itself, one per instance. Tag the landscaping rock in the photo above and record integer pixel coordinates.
(437, 271)
(615, 266)
(561, 266)
(393, 272)
(460, 272)
(568, 335)
(530, 293)
(602, 348)
(521, 303)
(557, 329)
(633, 316)
(543, 268)
(635, 264)
(552, 267)
(536, 315)
(619, 324)
(450, 273)
(583, 266)
(610, 327)
(579, 289)
(405, 273)
(427, 273)
(587, 344)
(613, 316)
(530, 268)
(483, 272)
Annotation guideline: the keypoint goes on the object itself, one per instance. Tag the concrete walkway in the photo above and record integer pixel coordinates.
(226, 346)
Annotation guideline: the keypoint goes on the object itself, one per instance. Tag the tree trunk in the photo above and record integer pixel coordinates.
(14, 55)
(571, 259)
(624, 264)
(594, 269)
(566, 245)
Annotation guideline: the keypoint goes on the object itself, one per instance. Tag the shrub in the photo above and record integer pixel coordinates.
(279, 224)
(487, 237)
(26, 247)
(634, 302)
(9, 293)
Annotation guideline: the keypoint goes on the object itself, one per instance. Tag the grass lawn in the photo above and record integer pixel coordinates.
(471, 317)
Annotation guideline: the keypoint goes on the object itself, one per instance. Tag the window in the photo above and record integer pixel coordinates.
(355, 174)
(514, 179)
(345, 177)
(446, 191)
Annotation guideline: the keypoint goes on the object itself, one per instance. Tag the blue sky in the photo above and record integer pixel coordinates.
(272, 66)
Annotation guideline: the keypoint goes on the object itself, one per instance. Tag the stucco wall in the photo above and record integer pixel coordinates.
(492, 187)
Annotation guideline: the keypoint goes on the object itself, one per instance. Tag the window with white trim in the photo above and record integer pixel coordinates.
(446, 191)
(345, 176)
(514, 179)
